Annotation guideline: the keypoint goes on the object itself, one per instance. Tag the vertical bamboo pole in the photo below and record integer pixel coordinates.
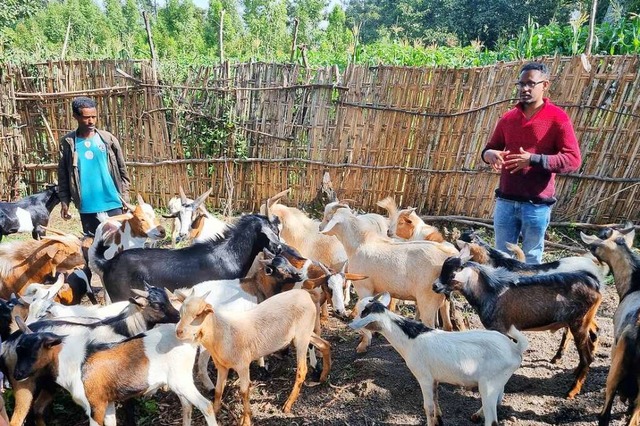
(220, 36)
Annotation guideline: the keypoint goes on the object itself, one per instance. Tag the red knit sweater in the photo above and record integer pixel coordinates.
(549, 136)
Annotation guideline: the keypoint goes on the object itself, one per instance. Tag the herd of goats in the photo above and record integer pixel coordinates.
(260, 283)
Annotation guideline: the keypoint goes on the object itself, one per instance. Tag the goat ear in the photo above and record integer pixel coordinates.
(629, 234)
(589, 239)
(208, 309)
(140, 293)
(461, 244)
(21, 325)
(268, 232)
(138, 301)
(384, 298)
(465, 254)
(359, 323)
(332, 223)
(51, 341)
(355, 277)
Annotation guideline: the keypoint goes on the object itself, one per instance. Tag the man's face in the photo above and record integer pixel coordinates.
(532, 86)
(86, 119)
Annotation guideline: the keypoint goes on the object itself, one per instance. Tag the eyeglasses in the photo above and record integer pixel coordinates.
(528, 84)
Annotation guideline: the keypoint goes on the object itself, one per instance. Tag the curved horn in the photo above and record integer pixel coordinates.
(130, 206)
(140, 199)
(21, 325)
(277, 197)
(140, 293)
(200, 200)
(183, 197)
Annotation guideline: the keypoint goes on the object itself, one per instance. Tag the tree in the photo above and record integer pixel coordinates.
(266, 22)
(310, 13)
(232, 25)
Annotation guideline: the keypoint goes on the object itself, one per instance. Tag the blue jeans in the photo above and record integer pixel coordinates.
(513, 218)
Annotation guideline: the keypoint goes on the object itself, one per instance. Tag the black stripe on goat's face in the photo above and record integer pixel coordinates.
(33, 353)
(411, 328)
(282, 270)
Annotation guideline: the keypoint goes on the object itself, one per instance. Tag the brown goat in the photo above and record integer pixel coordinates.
(504, 298)
(25, 262)
(624, 374)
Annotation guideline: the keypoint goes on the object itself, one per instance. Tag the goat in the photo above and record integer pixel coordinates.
(25, 262)
(144, 363)
(59, 291)
(371, 221)
(235, 339)
(206, 227)
(406, 224)
(485, 254)
(624, 374)
(148, 308)
(535, 303)
(404, 269)
(28, 214)
(485, 359)
(183, 211)
(302, 233)
(225, 259)
(238, 295)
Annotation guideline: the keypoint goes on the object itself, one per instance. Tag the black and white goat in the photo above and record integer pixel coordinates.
(228, 258)
(624, 374)
(486, 359)
(532, 303)
(28, 214)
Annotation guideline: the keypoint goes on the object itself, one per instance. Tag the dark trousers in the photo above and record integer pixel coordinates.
(90, 221)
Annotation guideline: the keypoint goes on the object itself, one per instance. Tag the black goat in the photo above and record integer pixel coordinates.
(29, 213)
(227, 258)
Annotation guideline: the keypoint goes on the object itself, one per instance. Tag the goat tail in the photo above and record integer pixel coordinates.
(389, 205)
(97, 259)
(521, 340)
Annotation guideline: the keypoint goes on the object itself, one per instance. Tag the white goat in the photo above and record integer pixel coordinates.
(372, 221)
(407, 270)
(486, 359)
(235, 339)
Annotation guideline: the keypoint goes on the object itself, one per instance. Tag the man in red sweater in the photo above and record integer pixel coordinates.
(531, 143)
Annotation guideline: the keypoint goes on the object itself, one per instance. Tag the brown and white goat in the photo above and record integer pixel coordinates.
(624, 373)
(25, 262)
(235, 339)
(144, 364)
(406, 224)
(404, 269)
(504, 298)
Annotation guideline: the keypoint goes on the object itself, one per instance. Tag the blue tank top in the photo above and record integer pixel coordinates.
(98, 192)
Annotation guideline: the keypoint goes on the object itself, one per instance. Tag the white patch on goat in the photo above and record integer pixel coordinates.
(24, 219)
(336, 284)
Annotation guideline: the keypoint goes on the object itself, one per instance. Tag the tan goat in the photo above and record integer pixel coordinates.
(234, 339)
(26, 262)
(406, 224)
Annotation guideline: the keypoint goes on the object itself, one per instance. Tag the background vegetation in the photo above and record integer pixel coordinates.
(454, 33)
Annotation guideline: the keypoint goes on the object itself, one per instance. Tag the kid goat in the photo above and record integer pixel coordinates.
(486, 359)
(535, 303)
(624, 374)
(234, 339)
(28, 214)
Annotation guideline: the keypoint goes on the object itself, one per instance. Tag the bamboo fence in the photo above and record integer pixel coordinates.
(251, 130)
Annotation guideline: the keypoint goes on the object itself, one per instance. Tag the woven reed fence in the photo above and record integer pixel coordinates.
(251, 130)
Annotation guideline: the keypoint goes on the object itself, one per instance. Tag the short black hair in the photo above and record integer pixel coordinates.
(82, 102)
(535, 66)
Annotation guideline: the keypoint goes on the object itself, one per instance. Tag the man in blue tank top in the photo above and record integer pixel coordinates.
(91, 171)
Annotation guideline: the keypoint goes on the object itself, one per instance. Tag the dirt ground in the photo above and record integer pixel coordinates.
(376, 388)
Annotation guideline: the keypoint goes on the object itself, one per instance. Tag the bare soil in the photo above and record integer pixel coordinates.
(376, 388)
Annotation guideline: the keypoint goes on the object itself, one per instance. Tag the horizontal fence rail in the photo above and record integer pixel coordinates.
(251, 130)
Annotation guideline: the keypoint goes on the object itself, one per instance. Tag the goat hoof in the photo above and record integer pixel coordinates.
(555, 360)
(361, 349)
(476, 418)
